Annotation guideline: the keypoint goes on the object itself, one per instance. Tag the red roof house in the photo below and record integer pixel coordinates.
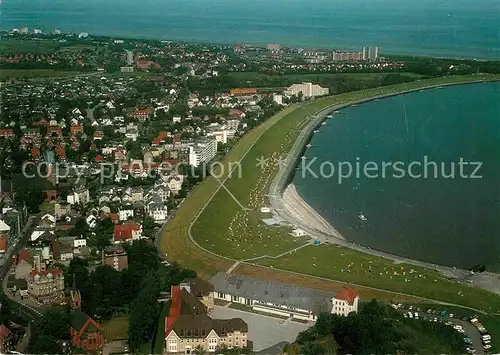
(23, 255)
(60, 151)
(3, 245)
(175, 308)
(85, 332)
(7, 132)
(76, 129)
(127, 232)
(347, 294)
(35, 152)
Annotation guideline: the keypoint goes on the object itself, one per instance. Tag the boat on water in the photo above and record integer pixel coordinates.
(362, 217)
(323, 123)
(316, 131)
(309, 146)
(329, 116)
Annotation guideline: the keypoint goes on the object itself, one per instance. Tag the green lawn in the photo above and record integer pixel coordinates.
(224, 228)
(308, 77)
(35, 73)
(336, 82)
(12, 45)
(338, 263)
(116, 329)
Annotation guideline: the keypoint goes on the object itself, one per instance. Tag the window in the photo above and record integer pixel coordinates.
(212, 344)
(172, 345)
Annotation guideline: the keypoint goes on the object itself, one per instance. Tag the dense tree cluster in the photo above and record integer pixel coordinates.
(48, 331)
(377, 329)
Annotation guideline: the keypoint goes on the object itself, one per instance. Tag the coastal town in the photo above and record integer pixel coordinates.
(105, 141)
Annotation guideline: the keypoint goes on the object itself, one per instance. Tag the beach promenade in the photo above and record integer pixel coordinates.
(289, 206)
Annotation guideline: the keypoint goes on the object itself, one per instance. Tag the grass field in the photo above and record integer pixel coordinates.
(227, 230)
(116, 328)
(11, 45)
(35, 73)
(309, 77)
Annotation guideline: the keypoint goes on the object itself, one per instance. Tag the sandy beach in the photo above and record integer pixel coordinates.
(297, 208)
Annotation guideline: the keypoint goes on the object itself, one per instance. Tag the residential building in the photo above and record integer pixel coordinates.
(345, 56)
(23, 265)
(85, 332)
(345, 302)
(126, 212)
(278, 99)
(156, 209)
(202, 290)
(174, 183)
(79, 196)
(62, 209)
(115, 256)
(243, 91)
(281, 299)
(370, 53)
(46, 286)
(3, 245)
(127, 233)
(308, 90)
(4, 229)
(188, 326)
(136, 193)
(202, 152)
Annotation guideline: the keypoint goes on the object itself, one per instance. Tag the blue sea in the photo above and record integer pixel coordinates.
(435, 217)
(452, 28)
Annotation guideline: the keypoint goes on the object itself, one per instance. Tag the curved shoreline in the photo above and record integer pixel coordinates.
(286, 172)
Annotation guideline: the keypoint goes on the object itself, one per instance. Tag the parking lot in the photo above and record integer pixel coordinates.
(470, 331)
(263, 331)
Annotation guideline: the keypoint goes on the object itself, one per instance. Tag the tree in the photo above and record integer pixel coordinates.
(104, 286)
(33, 197)
(199, 350)
(104, 233)
(81, 227)
(47, 330)
(144, 312)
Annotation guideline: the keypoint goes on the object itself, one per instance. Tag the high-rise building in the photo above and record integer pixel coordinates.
(202, 152)
(370, 53)
(130, 57)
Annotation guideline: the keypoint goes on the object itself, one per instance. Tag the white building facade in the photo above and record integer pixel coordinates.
(202, 152)
(308, 90)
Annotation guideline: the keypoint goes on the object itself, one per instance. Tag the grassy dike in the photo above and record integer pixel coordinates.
(227, 233)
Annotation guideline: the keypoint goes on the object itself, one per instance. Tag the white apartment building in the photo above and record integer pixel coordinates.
(81, 196)
(308, 90)
(202, 152)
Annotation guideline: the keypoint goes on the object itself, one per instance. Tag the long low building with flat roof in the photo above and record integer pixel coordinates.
(283, 299)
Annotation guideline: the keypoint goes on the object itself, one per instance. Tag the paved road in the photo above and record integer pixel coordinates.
(28, 307)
